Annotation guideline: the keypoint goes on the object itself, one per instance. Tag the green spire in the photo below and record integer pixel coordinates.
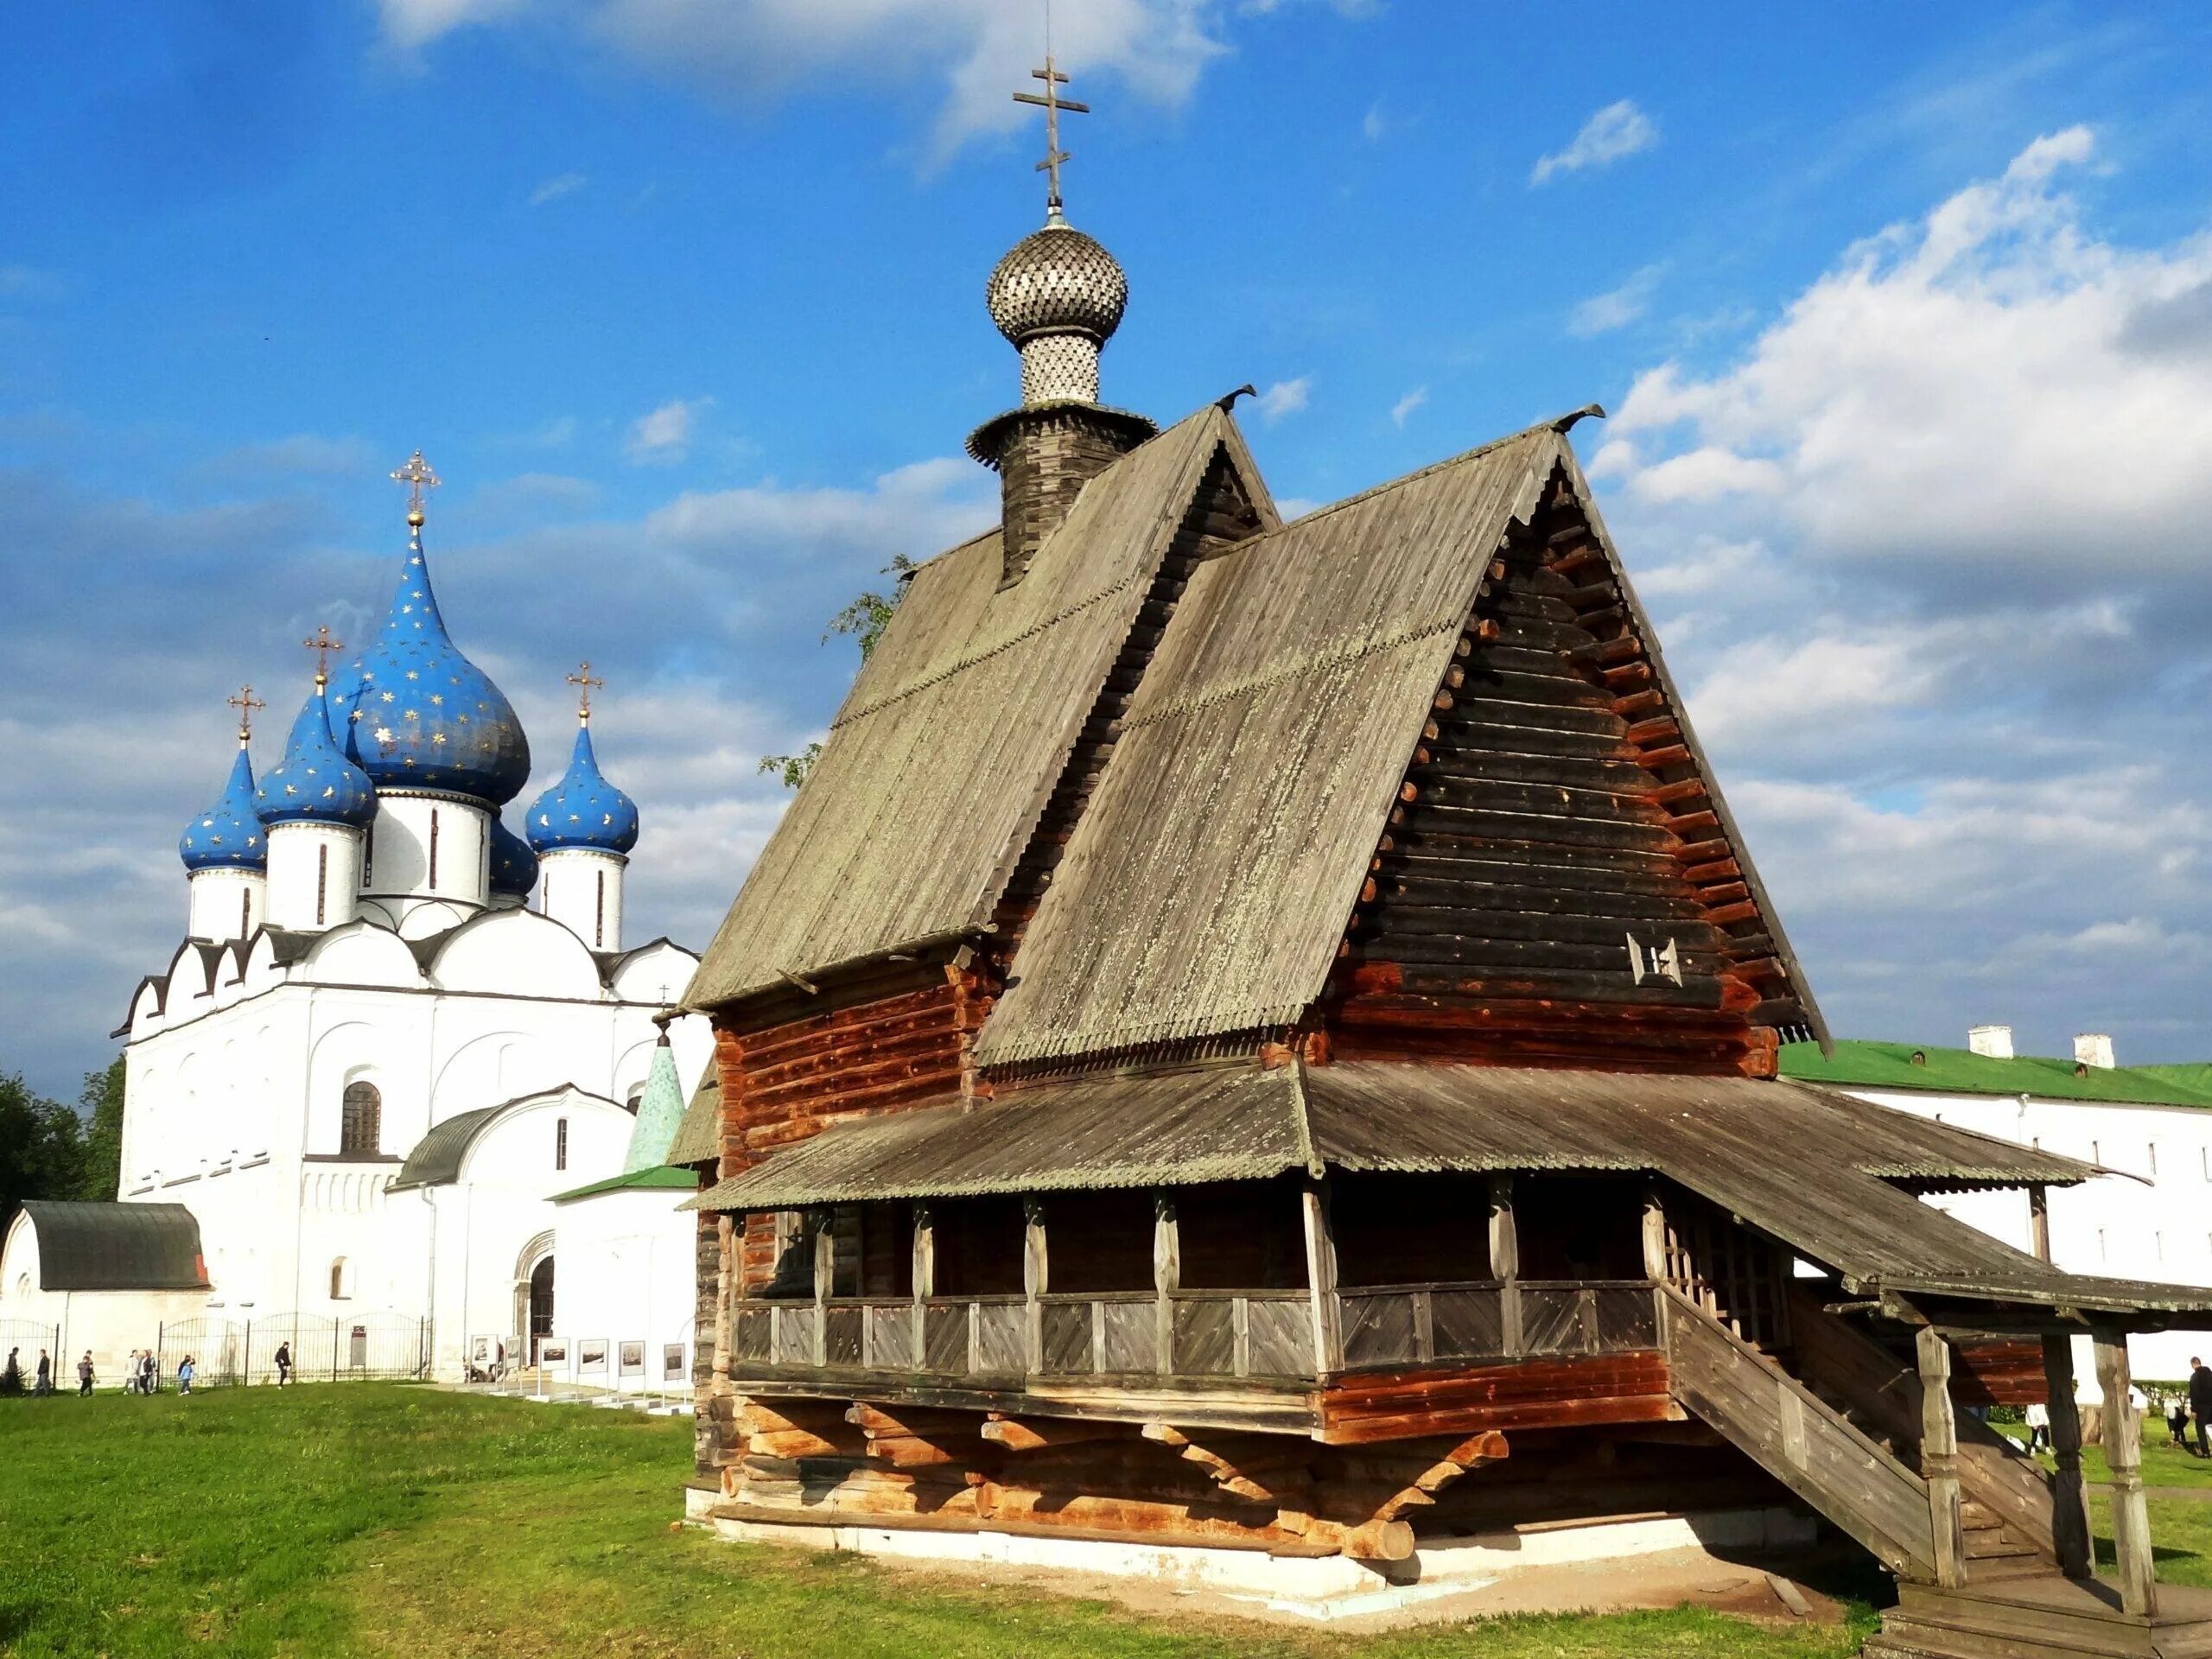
(660, 1108)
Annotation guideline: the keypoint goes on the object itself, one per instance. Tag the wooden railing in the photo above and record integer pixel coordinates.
(1415, 1324)
(1798, 1438)
(1196, 1333)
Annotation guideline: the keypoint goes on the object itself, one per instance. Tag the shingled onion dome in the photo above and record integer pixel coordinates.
(1057, 295)
(314, 783)
(227, 836)
(514, 867)
(420, 716)
(582, 809)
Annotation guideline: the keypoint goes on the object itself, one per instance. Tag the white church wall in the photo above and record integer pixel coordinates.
(517, 953)
(2157, 1226)
(624, 1263)
(362, 953)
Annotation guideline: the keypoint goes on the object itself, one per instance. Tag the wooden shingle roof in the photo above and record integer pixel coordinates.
(943, 755)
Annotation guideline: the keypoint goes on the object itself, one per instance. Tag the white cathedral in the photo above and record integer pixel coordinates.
(376, 1085)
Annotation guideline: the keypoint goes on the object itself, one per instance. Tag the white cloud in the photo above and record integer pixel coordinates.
(663, 436)
(1602, 313)
(565, 184)
(976, 48)
(1617, 130)
(1373, 124)
(1989, 382)
(302, 453)
(1402, 410)
(1284, 398)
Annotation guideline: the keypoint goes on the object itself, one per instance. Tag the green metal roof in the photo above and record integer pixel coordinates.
(658, 1175)
(116, 1246)
(1961, 1071)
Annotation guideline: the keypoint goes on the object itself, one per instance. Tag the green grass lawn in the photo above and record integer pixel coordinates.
(383, 1519)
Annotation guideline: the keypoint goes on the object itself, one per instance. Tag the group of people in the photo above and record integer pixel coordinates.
(139, 1374)
(2181, 1411)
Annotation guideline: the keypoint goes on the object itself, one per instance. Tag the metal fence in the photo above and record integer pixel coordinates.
(350, 1348)
(25, 1338)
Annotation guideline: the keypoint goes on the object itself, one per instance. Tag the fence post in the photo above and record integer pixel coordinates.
(246, 1360)
(161, 1353)
(333, 1344)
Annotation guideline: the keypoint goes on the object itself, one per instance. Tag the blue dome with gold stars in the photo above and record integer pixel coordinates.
(227, 836)
(421, 715)
(514, 867)
(314, 783)
(582, 809)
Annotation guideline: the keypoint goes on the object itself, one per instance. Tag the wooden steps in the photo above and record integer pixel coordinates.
(2046, 1616)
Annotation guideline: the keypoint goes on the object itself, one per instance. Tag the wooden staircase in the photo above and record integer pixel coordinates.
(1846, 1436)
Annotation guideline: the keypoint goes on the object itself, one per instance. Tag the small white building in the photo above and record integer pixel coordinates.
(2151, 1127)
(360, 1082)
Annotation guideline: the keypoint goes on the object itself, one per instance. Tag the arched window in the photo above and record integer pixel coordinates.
(360, 1125)
(342, 1280)
(561, 1143)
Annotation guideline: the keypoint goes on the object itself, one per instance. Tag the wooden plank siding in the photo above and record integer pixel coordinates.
(1551, 831)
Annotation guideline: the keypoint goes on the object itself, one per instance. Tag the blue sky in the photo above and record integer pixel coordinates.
(1904, 315)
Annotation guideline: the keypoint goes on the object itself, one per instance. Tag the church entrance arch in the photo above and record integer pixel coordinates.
(541, 1304)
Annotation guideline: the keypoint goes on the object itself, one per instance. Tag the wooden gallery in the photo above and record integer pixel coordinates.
(1253, 1052)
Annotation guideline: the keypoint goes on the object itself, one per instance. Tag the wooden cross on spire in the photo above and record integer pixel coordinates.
(246, 703)
(417, 477)
(1052, 103)
(582, 680)
(322, 645)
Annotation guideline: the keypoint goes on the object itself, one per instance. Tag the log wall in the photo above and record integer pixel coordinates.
(1551, 815)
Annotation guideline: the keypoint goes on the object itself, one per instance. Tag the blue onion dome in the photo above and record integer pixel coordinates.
(582, 809)
(314, 783)
(420, 716)
(227, 836)
(514, 867)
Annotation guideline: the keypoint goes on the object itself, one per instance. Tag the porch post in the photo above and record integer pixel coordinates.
(924, 1274)
(1939, 1457)
(825, 1265)
(1167, 1278)
(1321, 1278)
(2039, 1221)
(2070, 1495)
(2130, 1516)
(1036, 1279)
(1505, 1261)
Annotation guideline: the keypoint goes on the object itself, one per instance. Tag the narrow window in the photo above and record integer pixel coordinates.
(245, 911)
(2036, 1140)
(484, 867)
(2103, 1255)
(2096, 1152)
(322, 879)
(2154, 1158)
(338, 1279)
(560, 1143)
(599, 916)
(2158, 1247)
(360, 1127)
(433, 850)
(368, 853)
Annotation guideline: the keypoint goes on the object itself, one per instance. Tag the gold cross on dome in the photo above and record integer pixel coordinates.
(1052, 103)
(322, 645)
(246, 703)
(582, 680)
(417, 477)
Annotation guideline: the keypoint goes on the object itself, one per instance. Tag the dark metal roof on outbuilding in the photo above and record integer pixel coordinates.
(116, 1246)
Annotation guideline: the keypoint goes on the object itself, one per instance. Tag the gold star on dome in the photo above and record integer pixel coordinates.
(387, 696)
(384, 733)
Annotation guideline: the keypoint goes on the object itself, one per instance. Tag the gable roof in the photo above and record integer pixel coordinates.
(954, 734)
(1856, 1064)
(116, 1246)
(1208, 884)
(699, 1136)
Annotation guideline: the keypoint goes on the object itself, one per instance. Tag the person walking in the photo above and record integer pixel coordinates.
(184, 1374)
(85, 1374)
(11, 1375)
(2038, 1420)
(44, 1386)
(150, 1373)
(2200, 1402)
(284, 1363)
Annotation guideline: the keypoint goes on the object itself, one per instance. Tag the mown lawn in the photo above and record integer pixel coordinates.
(370, 1519)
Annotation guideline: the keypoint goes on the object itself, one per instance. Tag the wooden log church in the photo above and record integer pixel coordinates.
(1260, 1037)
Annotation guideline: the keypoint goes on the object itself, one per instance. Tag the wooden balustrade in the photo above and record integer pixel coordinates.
(1208, 1333)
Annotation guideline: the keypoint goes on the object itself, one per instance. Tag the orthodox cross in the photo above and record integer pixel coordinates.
(246, 703)
(322, 645)
(1052, 103)
(416, 476)
(582, 680)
